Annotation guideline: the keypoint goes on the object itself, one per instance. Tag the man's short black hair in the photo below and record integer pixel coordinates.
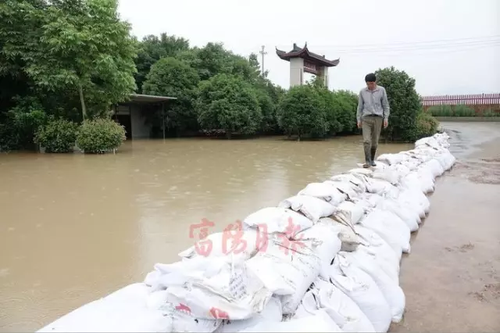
(370, 78)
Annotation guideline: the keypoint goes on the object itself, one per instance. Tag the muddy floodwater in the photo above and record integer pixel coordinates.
(74, 228)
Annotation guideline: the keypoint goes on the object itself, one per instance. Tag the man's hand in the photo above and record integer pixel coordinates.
(359, 124)
(386, 123)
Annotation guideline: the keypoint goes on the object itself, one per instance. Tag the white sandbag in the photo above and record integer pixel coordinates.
(388, 173)
(416, 201)
(361, 171)
(232, 291)
(361, 288)
(271, 313)
(390, 227)
(329, 244)
(382, 187)
(184, 321)
(350, 212)
(435, 168)
(368, 262)
(287, 268)
(420, 180)
(278, 220)
(408, 216)
(308, 306)
(319, 322)
(311, 207)
(347, 188)
(392, 159)
(324, 191)
(232, 244)
(341, 308)
(372, 239)
(348, 238)
(125, 310)
(358, 183)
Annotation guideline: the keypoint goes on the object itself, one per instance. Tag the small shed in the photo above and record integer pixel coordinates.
(133, 114)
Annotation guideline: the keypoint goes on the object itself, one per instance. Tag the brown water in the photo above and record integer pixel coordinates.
(74, 228)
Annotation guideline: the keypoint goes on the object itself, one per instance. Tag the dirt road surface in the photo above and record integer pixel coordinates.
(451, 279)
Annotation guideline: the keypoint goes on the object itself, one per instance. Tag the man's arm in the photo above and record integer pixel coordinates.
(360, 107)
(385, 106)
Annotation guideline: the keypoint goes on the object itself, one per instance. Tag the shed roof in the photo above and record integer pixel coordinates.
(140, 98)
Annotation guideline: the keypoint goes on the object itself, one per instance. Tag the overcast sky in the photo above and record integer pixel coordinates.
(448, 46)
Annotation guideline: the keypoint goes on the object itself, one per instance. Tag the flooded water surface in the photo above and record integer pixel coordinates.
(74, 228)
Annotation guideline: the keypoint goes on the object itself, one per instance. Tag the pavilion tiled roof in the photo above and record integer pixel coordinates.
(304, 53)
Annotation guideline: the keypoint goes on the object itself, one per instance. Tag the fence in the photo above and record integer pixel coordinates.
(478, 99)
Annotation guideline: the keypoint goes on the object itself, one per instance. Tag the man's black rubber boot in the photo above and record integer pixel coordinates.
(368, 161)
(372, 160)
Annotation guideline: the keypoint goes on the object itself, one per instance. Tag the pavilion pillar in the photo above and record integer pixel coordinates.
(323, 75)
(296, 72)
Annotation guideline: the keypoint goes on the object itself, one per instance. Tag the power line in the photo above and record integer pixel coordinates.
(263, 53)
(442, 42)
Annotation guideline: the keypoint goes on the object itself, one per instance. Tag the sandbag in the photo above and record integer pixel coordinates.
(287, 268)
(232, 244)
(125, 310)
(278, 220)
(359, 185)
(350, 212)
(374, 242)
(319, 322)
(390, 227)
(329, 244)
(341, 308)
(324, 191)
(407, 215)
(271, 313)
(368, 262)
(347, 188)
(382, 187)
(391, 159)
(217, 290)
(434, 167)
(345, 231)
(311, 207)
(361, 288)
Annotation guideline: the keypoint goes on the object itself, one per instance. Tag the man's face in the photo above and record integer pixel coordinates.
(371, 85)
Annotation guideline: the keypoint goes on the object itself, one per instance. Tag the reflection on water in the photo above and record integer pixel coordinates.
(74, 228)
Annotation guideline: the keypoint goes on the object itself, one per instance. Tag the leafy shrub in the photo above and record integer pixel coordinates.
(489, 113)
(100, 136)
(427, 125)
(440, 111)
(302, 112)
(404, 103)
(228, 102)
(57, 136)
(463, 111)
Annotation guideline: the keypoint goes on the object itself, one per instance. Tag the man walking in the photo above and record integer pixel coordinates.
(373, 112)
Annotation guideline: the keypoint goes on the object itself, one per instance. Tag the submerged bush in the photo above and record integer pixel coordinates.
(427, 125)
(99, 136)
(57, 136)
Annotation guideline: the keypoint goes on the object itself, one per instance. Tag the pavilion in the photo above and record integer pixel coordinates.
(302, 60)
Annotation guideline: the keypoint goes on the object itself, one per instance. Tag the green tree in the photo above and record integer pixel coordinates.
(347, 103)
(152, 49)
(404, 103)
(229, 103)
(172, 77)
(301, 112)
(85, 46)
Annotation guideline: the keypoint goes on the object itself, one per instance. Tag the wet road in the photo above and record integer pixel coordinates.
(451, 279)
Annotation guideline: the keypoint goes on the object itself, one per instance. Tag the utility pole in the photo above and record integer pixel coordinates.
(263, 53)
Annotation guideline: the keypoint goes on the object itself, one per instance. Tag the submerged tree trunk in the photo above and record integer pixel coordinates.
(82, 101)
